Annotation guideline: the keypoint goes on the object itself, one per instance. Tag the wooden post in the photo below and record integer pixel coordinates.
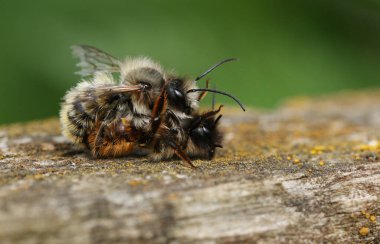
(308, 172)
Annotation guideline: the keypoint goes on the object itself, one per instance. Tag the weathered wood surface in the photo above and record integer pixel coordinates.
(308, 172)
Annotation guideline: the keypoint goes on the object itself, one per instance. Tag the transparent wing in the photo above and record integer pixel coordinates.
(93, 60)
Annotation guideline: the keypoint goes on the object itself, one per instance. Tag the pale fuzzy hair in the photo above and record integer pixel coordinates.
(100, 79)
(103, 78)
(193, 96)
(191, 150)
(130, 64)
(167, 154)
(66, 125)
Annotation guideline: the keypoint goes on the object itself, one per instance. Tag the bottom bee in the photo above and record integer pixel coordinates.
(197, 136)
(164, 135)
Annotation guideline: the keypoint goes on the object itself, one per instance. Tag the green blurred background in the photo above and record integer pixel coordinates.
(286, 48)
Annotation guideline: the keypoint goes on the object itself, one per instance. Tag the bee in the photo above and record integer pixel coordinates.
(147, 104)
(197, 136)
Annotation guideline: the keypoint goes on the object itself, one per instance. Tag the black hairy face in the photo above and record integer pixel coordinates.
(205, 135)
(177, 96)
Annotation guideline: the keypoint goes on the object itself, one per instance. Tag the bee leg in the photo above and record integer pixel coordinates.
(158, 112)
(101, 131)
(199, 120)
(107, 141)
(184, 157)
(180, 153)
(212, 112)
(174, 117)
(159, 105)
(98, 141)
(113, 148)
(101, 146)
(204, 93)
(100, 135)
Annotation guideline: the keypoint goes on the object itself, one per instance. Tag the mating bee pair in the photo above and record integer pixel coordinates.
(148, 109)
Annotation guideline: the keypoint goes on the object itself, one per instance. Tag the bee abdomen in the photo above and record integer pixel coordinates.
(81, 107)
(75, 123)
(114, 140)
(75, 115)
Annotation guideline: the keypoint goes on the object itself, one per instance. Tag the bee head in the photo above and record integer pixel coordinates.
(150, 80)
(145, 75)
(204, 133)
(180, 92)
(178, 99)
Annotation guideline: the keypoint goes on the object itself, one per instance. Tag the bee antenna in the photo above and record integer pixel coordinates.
(219, 92)
(214, 67)
(217, 120)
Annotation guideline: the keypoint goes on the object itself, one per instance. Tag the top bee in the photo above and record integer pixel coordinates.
(134, 98)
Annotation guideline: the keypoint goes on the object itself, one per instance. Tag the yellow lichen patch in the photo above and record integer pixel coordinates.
(369, 216)
(370, 146)
(331, 148)
(38, 176)
(35, 177)
(318, 150)
(366, 148)
(373, 218)
(364, 231)
(356, 156)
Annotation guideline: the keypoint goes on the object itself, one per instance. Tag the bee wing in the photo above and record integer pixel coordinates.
(93, 60)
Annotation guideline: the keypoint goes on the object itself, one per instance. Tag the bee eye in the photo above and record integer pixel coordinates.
(178, 94)
(145, 85)
(205, 130)
(177, 98)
